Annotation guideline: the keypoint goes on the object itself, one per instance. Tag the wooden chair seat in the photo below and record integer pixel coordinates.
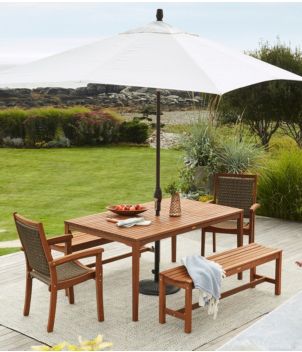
(229, 226)
(232, 261)
(66, 271)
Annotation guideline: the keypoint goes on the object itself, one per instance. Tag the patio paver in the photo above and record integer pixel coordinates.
(282, 234)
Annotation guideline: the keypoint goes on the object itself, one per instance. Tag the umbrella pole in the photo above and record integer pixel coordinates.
(158, 192)
(151, 287)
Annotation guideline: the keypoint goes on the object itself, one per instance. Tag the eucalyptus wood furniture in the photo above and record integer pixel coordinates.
(80, 241)
(234, 190)
(233, 261)
(195, 215)
(57, 274)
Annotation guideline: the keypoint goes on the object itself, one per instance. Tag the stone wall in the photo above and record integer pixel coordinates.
(97, 95)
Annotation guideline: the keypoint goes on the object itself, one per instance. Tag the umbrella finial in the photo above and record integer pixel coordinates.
(159, 14)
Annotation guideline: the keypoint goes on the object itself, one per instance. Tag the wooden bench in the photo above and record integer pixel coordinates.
(82, 241)
(233, 261)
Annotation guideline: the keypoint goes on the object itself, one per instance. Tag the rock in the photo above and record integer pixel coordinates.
(98, 95)
(6, 93)
(18, 92)
(57, 91)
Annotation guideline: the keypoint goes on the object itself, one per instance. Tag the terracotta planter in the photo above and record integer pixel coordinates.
(175, 209)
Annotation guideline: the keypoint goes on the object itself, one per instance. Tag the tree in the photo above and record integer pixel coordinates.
(266, 106)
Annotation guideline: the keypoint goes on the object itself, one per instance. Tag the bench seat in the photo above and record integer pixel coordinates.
(79, 242)
(82, 241)
(233, 261)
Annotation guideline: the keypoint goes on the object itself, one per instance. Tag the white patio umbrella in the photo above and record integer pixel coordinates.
(155, 56)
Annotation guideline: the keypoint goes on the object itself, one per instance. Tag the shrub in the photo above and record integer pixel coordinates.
(60, 142)
(282, 143)
(148, 110)
(91, 128)
(13, 142)
(40, 129)
(238, 156)
(35, 126)
(12, 123)
(280, 187)
(208, 151)
(187, 180)
(200, 146)
(134, 131)
(228, 118)
(76, 126)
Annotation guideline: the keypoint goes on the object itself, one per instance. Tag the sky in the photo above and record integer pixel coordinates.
(29, 31)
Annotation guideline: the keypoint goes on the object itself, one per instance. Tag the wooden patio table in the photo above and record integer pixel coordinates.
(194, 215)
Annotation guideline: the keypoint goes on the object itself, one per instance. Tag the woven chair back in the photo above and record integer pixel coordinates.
(31, 239)
(236, 191)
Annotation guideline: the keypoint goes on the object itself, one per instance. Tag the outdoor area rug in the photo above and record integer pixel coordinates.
(80, 319)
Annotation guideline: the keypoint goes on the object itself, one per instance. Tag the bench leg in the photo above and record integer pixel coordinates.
(188, 309)
(162, 300)
(203, 242)
(239, 244)
(278, 275)
(214, 242)
(252, 276)
(173, 248)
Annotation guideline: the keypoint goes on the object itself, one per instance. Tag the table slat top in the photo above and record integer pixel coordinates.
(193, 214)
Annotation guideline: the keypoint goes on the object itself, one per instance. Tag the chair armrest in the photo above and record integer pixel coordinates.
(59, 239)
(254, 207)
(77, 255)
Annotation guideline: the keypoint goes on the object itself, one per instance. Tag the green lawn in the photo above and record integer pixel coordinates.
(52, 185)
(4, 251)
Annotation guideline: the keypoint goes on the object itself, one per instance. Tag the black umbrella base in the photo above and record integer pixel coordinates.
(151, 288)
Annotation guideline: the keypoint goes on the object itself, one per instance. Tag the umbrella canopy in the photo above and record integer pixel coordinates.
(155, 56)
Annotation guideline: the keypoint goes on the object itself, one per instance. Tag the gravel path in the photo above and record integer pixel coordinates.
(175, 117)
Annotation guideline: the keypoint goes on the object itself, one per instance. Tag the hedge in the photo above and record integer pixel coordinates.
(54, 127)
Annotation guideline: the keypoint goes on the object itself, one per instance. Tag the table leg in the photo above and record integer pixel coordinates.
(66, 229)
(173, 248)
(240, 236)
(135, 282)
(67, 250)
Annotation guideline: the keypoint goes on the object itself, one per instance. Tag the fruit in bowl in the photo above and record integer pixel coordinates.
(127, 209)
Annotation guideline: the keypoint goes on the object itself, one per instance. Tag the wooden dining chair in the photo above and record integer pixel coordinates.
(238, 191)
(62, 273)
